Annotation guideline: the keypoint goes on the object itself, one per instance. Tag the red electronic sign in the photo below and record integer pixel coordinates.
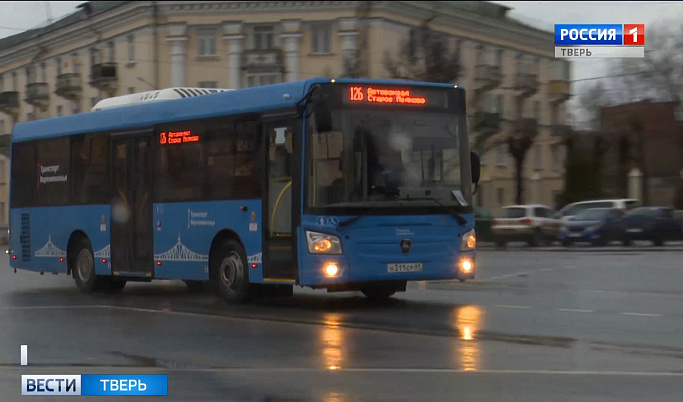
(177, 137)
(394, 96)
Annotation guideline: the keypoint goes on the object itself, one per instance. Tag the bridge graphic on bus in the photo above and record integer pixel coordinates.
(180, 253)
(103, 253)
(50, 250)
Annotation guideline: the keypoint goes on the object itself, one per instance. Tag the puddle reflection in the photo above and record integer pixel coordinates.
(468, 320)
(334, 397)
(332, 343)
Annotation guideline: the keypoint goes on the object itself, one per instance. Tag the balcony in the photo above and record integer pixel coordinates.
(560, 130)
(69, 86)
(527, 126)
(487, 121)
(487, 77)
(257, 60)
(103, 76)
(37, 94)
(9, 102)
(559, 91)
(526, 84)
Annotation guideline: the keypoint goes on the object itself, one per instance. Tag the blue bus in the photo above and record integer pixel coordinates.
(346, 184)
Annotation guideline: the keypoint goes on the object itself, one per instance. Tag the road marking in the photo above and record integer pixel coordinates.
(24, 355)
(574, 310)
(545, 269)
(375, 370)
(642, 314)
(511, 306)
(493, 278)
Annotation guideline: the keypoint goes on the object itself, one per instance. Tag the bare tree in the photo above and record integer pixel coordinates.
(424, 56)
(590, 102)
(658, 75)
(355, 63)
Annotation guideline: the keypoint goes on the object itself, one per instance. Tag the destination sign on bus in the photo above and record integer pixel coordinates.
(177, 137)
(395, 96)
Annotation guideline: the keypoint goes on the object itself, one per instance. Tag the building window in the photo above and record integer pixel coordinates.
(112, 51)
(30, 75)
(255, 80)
(2, 83)
(320, 39)
(499, 57)
(2, 212)
(263, 37)
(501, 197)
(60, 110)
(538, 157)
(500, 155)
(75, 107)
(207, 42)
(131, 90)
(207, 84)
(75, 63)
(480, 54)
(43, 72)
(2, 173)
(14, 81)
(59, 66)
(537, 110)
(555, 156)
(94, 56)
(131, 48)
(499, 105)
(2, 126)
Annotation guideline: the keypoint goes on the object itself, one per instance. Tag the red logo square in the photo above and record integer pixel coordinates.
(634, 34)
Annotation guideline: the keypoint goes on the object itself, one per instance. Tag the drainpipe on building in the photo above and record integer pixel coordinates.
(155, 27)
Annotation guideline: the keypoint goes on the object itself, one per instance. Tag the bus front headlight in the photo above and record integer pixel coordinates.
(469, 241)
(321, 243)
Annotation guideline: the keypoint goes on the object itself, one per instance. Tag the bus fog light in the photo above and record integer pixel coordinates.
(466, 266)
(331, 269)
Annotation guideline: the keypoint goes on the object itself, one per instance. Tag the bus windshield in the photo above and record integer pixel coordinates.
(385, 158)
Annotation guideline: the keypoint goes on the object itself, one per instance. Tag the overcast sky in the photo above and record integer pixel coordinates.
(18, 16)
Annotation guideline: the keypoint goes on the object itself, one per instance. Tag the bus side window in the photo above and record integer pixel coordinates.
(24, 174)
(53, 162)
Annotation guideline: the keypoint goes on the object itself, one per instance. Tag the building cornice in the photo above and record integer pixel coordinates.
(171, 8)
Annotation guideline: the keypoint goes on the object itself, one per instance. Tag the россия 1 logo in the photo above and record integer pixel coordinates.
(599, 40)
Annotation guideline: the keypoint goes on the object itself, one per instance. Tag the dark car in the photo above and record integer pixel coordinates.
(656, 224)
(482, 225)
(598, 226)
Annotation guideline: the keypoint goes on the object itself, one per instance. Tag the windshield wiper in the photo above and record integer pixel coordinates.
(462, 221)
(349, 221)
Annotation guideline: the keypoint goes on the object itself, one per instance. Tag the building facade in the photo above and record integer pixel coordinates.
(114, 48)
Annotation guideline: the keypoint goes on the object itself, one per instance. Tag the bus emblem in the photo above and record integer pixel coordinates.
(405, 245)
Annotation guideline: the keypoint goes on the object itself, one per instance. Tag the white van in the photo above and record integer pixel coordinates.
(624, 204)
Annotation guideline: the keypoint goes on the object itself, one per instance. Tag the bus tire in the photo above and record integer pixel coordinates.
(83, 266)
(378, 292)
(230, 272)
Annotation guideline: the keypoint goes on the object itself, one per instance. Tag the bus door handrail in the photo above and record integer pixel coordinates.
(277, 204)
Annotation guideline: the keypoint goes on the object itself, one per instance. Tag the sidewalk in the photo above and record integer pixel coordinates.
(638, 246)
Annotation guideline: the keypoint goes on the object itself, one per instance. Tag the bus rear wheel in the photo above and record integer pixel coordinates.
(83, 267)
(378, 292)
(230, 273)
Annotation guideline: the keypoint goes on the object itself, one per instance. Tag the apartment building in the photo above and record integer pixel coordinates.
(113, 48)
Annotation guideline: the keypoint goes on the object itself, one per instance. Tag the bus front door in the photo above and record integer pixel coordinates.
(280, 212)
(131, 208)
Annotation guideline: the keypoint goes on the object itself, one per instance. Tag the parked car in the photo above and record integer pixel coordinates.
(482, 225)
(656, 224)
(625, 204)
(598, 226)
(533, 224)
(4, 234)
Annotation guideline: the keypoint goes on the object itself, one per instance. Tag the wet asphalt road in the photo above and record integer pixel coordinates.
(537, 325)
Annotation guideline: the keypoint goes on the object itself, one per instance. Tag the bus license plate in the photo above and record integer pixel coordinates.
(409, 267)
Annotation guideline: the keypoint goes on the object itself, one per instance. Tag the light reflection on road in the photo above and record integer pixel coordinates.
(467, 320)
(332, 342)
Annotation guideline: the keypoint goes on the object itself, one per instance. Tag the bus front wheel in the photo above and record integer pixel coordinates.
(83, 267)
(230, 272)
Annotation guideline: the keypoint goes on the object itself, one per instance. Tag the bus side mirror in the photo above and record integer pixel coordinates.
(321, 112)
(475, 167)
